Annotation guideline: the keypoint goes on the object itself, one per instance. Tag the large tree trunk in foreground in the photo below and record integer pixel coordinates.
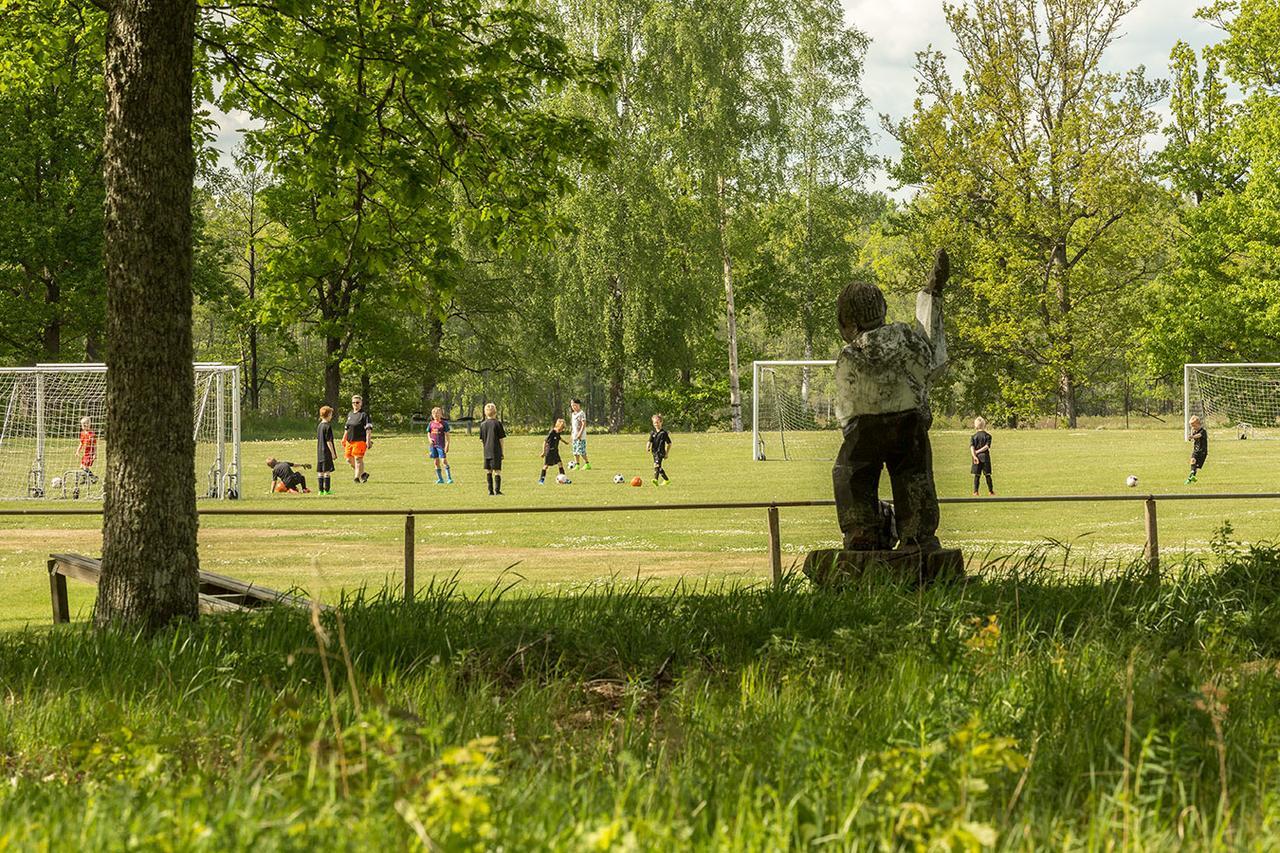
(149, 560)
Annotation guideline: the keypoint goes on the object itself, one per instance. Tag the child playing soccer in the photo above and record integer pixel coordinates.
(551, 451)
(88, 449)
(326, 452)
(492, 434)
(980, 451)
(579, 434)
(660, 446)
(438, 440)
(1199, 447)
(283, 473)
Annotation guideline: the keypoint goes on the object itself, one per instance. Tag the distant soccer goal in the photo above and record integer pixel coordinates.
(1244, 398)
(49, 450)
(793, 413)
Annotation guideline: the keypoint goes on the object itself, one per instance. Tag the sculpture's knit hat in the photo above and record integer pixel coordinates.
(861, 307)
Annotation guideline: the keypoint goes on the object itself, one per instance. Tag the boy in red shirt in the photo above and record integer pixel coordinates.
(88, 448)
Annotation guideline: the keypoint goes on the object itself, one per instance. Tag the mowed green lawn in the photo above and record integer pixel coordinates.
(345, 550)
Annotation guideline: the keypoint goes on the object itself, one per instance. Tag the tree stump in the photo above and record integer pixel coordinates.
(832, 568)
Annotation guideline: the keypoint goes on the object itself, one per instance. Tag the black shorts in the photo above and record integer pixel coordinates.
(493, 464)
(657, 460)
(982, 466)
(1197, 459)
(324, 464)
(552, 458)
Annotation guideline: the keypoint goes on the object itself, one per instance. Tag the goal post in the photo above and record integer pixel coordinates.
(47, 452)
(793, 410)
(1242, 396)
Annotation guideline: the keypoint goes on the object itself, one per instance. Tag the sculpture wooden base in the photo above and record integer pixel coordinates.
(832, 568)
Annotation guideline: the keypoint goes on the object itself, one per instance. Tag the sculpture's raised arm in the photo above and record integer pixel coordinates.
(929, 311)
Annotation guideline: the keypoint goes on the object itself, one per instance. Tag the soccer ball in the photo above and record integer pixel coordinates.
(56, 484)
(636, 481)
(619, 479)
(561, 479)
(1131, 481)
(281, 488)
(573, 465)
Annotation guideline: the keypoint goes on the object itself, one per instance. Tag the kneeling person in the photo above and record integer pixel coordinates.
(283, 474)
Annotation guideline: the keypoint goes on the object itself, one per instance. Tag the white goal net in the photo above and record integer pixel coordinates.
(793, 410)
(1244, 398)
(54, 431)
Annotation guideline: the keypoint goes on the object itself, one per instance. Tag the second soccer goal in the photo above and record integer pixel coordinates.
(793, 411)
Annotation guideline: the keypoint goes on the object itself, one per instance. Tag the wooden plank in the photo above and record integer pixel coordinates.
(219, 593)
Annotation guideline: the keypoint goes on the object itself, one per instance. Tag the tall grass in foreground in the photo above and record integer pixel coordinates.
(1024, 708)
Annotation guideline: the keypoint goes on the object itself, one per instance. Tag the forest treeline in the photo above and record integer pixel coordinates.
(630, 200)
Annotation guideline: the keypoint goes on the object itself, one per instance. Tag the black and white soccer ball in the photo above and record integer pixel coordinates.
(573, 465)
(1131, 481)
(55, 484)
(619, 479)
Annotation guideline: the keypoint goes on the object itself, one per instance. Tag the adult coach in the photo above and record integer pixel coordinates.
(358, 438)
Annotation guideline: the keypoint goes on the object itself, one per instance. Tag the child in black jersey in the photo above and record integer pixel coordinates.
(1199, 447)
(326, 451)
(660, 446)
(551, 453)
(980, 453)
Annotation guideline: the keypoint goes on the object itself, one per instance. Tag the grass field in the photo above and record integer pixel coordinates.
(541, 552)
(1023, 710)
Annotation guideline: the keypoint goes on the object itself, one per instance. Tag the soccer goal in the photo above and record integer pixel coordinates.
(47, 450)
(1242, 397)
(793, 413)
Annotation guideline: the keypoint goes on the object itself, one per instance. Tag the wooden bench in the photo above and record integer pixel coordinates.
(218, 593)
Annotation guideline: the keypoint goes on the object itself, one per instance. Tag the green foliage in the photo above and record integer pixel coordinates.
(1221, 300)
(52, 283)
(1035, 173)
(1025, 708)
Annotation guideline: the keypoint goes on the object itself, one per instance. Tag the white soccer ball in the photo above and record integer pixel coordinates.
(56, 484)
(1131, 481)
(619, 479)
(561, 479)
(573, 465)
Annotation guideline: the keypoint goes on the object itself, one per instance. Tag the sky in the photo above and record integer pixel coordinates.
(900, 28)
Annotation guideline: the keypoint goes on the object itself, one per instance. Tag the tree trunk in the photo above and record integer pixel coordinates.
(805, 377)
(1066, 381)
(52, 336)
(255, 387)
(731, 317)
(149, 558)
(617, 356)
(332, 370)
(365, 394)
(92, 345)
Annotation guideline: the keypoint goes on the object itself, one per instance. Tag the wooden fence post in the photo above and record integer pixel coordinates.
(1152, 551)
(408, 558)
(775, 547)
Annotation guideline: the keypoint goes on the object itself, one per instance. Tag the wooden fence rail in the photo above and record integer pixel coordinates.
(1151, 551)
